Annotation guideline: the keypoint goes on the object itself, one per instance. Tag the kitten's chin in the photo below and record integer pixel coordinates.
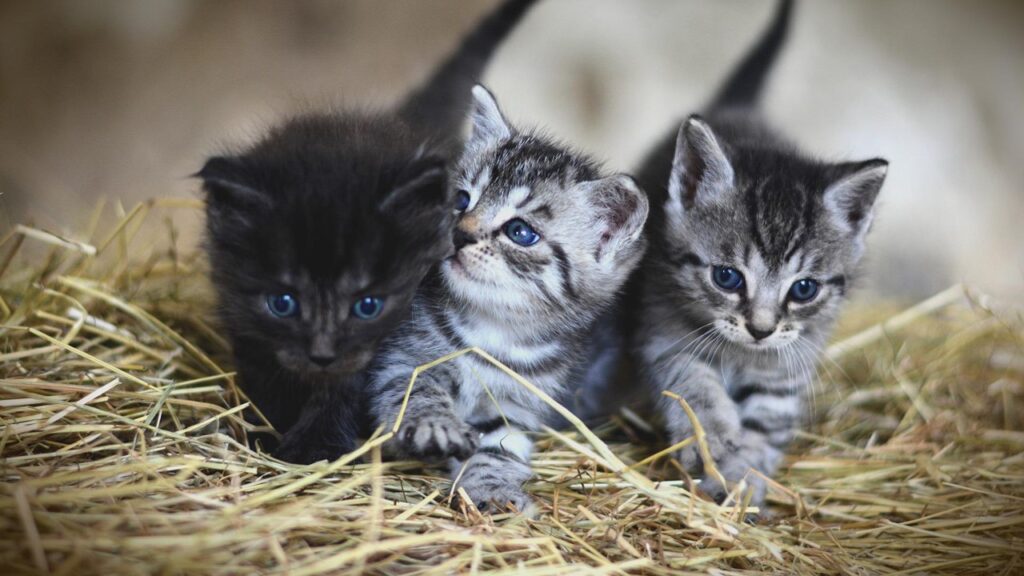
(457, 275)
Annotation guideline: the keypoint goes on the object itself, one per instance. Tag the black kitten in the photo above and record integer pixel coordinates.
(320, 233)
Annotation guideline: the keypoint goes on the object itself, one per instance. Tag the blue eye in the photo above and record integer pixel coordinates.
(520, 232)
(727, 278)
(283, 305)
(462, 201)
(368, 308)
(803, 290)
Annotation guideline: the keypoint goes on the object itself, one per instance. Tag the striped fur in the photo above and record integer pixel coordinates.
(731, 193)
(529, 306)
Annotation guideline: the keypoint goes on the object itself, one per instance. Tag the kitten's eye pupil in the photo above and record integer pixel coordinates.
(283, 305)
(368, 308)
(803, 290)
(520, 232)
(462, 201)
(729, 279)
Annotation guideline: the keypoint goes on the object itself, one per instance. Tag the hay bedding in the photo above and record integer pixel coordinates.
(123, 451)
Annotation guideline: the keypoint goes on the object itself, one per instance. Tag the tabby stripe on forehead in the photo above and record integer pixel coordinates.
(755, 231)
(564, 268)
(807, 224)
(744, 391)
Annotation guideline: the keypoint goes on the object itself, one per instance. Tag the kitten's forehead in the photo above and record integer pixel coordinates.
(777, 220)
(523, 162)
(349, 281)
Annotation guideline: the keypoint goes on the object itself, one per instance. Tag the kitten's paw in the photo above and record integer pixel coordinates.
(733, 459)
(499, 499)
(494, 483)
(720, 446)
(438, 436)
(755, 484)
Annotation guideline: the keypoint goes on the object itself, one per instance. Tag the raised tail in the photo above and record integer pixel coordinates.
(441, 104)
(743, 87)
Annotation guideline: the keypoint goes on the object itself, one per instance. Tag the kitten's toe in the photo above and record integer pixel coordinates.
(494, 482)
(438, 437)
(689, 458)
(499, 498)
(734, 472)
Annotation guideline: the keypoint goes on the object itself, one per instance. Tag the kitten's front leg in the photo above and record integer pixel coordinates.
(733, 453)
(326, 427)
(430, 430)
(769, 409)
(493, 477)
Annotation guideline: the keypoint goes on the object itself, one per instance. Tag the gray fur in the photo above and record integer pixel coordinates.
(729, 192)
(530, 307)
(777, 218)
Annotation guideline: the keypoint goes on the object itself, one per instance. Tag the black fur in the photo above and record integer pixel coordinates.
(332, 208)
(744, 86)
(742, 89)
(440, 104)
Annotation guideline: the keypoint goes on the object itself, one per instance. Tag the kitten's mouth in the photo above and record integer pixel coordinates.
(455, 264)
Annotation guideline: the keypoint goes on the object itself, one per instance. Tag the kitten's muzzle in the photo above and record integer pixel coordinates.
(322, 361)
(461, 239)
(759, 334)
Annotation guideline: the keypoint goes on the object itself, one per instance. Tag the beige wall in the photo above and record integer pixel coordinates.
(124, 98)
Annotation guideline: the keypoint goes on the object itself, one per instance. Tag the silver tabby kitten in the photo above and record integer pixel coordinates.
(753, 247)
(543, 243)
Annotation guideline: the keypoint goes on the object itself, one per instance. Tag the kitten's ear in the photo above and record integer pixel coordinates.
(489, 125)
(701, 172)
(423, 187)
(226, 184)
(621, 208)
(850, 199)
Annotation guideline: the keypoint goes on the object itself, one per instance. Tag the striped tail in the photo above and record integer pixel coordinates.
(744, 86)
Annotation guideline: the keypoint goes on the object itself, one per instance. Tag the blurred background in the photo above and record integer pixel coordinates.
(123, 98)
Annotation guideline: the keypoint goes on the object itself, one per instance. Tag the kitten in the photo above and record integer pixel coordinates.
(319, 235)
(753, 247)
(544, 241)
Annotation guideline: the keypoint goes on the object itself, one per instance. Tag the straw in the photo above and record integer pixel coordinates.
(124, 448)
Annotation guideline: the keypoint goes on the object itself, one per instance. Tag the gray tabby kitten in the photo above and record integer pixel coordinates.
(753, 247)
(544, 241)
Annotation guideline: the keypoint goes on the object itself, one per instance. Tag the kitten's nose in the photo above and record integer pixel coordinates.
(759, 334)
(321, 361)
(462, 238)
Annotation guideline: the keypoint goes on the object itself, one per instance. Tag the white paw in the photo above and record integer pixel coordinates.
(736, 458)
(437, 436)
(498, 497)
(494, 483)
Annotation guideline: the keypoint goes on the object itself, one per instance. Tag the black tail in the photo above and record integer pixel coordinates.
(440, 105)
(744, 85)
